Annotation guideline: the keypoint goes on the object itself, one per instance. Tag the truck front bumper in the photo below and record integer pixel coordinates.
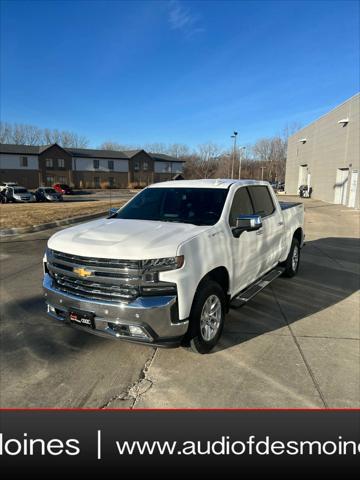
(147, 320)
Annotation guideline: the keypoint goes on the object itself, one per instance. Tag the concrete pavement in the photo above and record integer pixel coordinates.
(297, 344)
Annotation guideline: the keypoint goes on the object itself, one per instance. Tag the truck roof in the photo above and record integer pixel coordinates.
(207, 183)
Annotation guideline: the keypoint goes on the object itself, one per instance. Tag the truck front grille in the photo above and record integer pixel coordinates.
(95, 278)
(99, 291)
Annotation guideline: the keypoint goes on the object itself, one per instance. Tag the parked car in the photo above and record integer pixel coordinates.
(63, 189)
(18, 195)
(165, 268)
(4, 185)
(47, 194)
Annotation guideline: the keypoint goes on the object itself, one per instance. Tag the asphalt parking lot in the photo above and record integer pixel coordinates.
(297, 344)
(104, 194)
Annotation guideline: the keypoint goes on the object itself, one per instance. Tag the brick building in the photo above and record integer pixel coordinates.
(31, 166)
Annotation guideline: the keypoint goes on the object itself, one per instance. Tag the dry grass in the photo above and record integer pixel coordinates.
(16, 215)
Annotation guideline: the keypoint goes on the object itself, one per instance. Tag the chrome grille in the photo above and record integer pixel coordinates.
(108, 280)
(99, 291)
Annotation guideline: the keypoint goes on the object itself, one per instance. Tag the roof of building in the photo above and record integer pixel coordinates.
(20, 149)
(83, 152)
(164, 157)
(94, 153)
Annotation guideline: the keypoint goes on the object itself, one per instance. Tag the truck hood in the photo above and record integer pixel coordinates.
(124, 239)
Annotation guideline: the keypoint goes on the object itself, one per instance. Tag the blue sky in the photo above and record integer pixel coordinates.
(176, 71)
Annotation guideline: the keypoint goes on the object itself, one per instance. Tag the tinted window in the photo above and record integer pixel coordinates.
(262, 201)
(200, 206)
(20, 190)
(241, 206)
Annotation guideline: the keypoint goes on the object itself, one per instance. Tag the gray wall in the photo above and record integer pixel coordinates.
(330, 155)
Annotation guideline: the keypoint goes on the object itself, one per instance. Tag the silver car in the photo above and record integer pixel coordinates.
(48, 194)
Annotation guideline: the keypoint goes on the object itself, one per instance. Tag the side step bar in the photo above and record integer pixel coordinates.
(250, 292)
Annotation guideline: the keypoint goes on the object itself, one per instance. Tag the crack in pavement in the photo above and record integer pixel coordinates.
(135, 391)
(307, 365)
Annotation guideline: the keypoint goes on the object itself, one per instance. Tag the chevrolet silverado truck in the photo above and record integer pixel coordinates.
(165, 268)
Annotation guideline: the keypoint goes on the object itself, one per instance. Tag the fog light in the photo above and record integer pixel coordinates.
(136, 331)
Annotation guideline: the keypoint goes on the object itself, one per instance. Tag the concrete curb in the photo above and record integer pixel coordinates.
(46, 226)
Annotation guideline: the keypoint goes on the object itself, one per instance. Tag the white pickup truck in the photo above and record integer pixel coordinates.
(166, 267)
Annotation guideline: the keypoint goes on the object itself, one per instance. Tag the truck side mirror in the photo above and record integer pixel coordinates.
(247, 223)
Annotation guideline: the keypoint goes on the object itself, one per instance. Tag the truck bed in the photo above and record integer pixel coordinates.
(286, 205)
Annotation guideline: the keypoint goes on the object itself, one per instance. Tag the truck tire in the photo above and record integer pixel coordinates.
(206, 318)
(292, 262)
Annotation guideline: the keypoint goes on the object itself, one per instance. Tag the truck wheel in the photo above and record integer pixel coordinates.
(206, 317)
(292, 262)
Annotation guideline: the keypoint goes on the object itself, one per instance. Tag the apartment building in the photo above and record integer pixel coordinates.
(31, 166)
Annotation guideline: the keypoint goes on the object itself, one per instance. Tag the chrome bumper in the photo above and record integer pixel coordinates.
(157, 316)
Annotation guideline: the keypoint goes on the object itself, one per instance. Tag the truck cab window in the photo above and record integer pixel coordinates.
(262, 201)
(241, 206)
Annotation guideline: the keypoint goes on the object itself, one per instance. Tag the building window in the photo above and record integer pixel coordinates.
(49, 181)
(23, 161)
(61, 163)
(96, 182)
(111, 182)
(136, 166)
(62, 180)
(145, 165)
(96, 164)
(111, 164)
(49, 163)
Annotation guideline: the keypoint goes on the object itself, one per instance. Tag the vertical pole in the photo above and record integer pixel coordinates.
(233, 157)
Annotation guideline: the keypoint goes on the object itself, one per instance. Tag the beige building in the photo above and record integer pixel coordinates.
(325, 156)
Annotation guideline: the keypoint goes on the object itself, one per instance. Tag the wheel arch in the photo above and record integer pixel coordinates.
(299, 235)
(221, 276)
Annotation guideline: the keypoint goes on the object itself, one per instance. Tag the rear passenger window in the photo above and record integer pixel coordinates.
(241, 206)
(262, 201)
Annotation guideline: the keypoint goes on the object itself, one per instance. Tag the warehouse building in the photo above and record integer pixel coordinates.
(325, 156)
(31, 166)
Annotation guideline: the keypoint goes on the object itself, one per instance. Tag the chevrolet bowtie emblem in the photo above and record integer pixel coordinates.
(82, 272)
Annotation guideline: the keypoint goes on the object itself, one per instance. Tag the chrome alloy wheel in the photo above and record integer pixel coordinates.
(295, 258)
(210, 319)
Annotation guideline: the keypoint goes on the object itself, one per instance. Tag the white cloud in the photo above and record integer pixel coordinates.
(182, 18)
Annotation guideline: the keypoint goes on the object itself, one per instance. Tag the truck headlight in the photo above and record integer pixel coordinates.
(163, 264)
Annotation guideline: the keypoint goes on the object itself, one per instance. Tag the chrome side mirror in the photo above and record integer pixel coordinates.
(247, 223)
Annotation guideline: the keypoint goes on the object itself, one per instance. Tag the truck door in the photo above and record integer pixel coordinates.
(244, 250)
(272, 233)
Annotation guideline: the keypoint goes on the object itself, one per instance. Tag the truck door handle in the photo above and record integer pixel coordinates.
(280, 223)
(260, 232)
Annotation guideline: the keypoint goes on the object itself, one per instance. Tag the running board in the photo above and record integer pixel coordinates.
(250, 292)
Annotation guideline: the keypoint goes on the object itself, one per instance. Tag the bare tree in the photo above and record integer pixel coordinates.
(204, 162)
(6, 132)
(156, 147)
(112, 145)
(24, 134)
(178, 150)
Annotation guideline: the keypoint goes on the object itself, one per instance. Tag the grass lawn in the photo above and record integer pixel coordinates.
(16, 215)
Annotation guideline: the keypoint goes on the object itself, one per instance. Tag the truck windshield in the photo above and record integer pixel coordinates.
(199, 206)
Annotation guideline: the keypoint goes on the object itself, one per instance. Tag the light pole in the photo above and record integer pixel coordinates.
(262, 173)
(242, 149)
(234, 150)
